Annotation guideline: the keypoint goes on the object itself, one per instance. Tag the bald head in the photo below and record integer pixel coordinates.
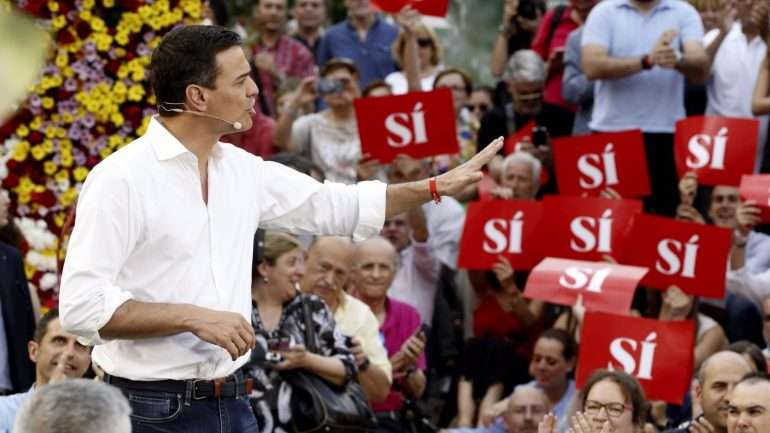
(375, 268)
(526, 408)
(329, 262)
(716, 379)
(721, 361)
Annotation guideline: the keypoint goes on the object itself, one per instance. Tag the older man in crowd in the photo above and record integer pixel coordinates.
(716, 379)
(328, 267)
(520, 179)
(749, 407)
(527, 406)
(75, 406)
(374, 270)
(57, 355)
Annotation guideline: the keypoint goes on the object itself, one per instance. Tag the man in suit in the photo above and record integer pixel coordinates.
(17, 320)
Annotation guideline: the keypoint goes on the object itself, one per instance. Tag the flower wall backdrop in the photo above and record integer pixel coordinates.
(92, 97)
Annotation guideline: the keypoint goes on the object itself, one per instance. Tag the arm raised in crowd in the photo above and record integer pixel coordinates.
(283, 136)
(408, 19)
(507, 29)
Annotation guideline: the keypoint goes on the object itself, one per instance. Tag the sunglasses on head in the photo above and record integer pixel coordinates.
(424, 42)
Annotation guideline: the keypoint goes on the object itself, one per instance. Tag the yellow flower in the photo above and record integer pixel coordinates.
(68, 118)
(50, 132)
(97, 24)
(117, 119)
(119, 88)
(65, 145)
(138, 74)
(59, 22)
(48, 146)
(108, 3)
(48, 102)
(53, 6)
(85, 14)
(151, 99)
(38, 152)
(80, 174)
(104, 152)
(49, 167)
(36, 123)
(59, 218)
(114, 141)
(67, 72)
(120, 52)
(56, 118)
(21, 151)
(135, 93)
(88, 4)
(121, 38)
(62, 176)
(29, 270)
(68, 197)
(66, 159)
(22, 131)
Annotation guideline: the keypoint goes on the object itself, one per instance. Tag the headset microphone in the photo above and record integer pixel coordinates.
(236, 125)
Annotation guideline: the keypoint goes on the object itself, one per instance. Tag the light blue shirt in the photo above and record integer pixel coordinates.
(496, 427)
(651, 100)
(9, 405)
(561, 409)
(757, 252)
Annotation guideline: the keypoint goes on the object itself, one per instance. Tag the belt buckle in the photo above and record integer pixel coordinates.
(195, 395)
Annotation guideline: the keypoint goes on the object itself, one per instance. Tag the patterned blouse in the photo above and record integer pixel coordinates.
(272, 394)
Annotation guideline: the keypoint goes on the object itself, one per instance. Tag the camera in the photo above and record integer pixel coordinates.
(540, 136)
(328, 86)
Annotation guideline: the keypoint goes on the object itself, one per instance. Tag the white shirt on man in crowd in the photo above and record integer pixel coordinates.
(143, 232)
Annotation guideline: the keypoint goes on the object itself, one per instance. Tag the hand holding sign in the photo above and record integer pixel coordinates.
(436, 8)
(756, 188)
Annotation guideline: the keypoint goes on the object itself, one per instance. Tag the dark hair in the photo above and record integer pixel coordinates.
(629, 386)
(569, 347)
(755, 377)
(376, 84)
(339, 63)
(489, 90)
(467, 80)
(745, 347)
(187, 55)
(41, 330)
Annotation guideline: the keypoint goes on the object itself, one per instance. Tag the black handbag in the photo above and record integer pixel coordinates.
(319, 406)
(414, 420)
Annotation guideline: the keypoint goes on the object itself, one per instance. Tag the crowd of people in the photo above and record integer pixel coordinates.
(431, 345)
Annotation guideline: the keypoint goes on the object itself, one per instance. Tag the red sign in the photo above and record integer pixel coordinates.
(500, 227)
(584, 228)
(518, 136)
(719, 149)
(757, 187)
(436, 8)
(591, 163)
(689, 255)
(419, 124)
(603, 286)
(658, 353)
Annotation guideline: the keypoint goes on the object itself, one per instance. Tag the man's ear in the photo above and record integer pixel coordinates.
(196, 97)
(33, 349)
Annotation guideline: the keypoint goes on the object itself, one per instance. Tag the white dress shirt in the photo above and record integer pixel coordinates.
(416, 279)
(143, 232)
(445, 224)
(732, 77)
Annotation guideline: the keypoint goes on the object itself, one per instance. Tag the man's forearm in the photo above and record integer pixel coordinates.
(133, 320)
(405, 196)
(375, 384)
(695, 67)
(609, 68)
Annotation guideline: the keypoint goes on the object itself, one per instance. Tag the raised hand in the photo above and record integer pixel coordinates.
(748, 216)
(548, 424)
(469, 173)
(688, 187)
(664, 54)
(293, 358)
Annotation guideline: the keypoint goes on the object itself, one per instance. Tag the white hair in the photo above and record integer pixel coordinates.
(525, 65)
(75, 406)
(526, 158)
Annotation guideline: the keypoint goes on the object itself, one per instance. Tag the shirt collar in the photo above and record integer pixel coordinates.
(166, 146)
(375, 23)
(662, 4)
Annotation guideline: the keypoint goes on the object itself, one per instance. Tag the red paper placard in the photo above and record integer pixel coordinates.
(689, 255)
(603, 286)
(591, 163)
(757, 187)
(658, 353)
(436, 8)
(584, 228)
(515, 138)
(719, 149)
(500, 227)
(419, 124)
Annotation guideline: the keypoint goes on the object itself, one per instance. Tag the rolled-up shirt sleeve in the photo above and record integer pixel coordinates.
(298, 203)
(105, 232)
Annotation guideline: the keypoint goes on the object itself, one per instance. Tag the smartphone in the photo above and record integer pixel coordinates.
(279, 344)
(348, 341)
(328, 86)
(540, 136)
(423, 332)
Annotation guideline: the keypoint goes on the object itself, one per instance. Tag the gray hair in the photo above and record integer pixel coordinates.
(525, 65)
(75, 406)
(526, 158)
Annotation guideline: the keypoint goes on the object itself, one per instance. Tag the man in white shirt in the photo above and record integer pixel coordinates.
(736, 49)
(158, 269)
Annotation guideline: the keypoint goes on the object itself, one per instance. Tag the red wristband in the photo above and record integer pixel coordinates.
(433, 190)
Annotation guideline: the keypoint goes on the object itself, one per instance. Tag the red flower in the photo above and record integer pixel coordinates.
(37, 8)
(133, 114)
(12, 180)
(83, 29)
(46, 198)
(113, 66)
(65, 37)
(35, 137)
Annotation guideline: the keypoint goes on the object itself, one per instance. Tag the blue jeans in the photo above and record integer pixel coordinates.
(164, 412)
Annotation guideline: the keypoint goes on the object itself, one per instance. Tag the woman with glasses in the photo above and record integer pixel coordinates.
(610, 402)
(418, 52)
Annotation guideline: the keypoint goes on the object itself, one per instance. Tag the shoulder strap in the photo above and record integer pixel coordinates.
(310, 343)
(555, 20)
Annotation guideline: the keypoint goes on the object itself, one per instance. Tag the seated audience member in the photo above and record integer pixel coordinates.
(330, 137)
(374, 269)
(552, 361)
(609, 401)
(57, 355)
(523, 411)
(425, 51)
(363, 37)
(75, 406)
(279, 324)
(751, 353)
(418, 268)
(749, 408)
(328, 266)
(715, 380)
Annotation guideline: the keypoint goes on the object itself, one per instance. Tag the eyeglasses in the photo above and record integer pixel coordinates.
(424, 42)
(483, 108)
(614, 410)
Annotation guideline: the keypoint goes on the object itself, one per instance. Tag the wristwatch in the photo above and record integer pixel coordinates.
(646, 61)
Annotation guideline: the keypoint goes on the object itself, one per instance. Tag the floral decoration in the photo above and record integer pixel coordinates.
(92, 97)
